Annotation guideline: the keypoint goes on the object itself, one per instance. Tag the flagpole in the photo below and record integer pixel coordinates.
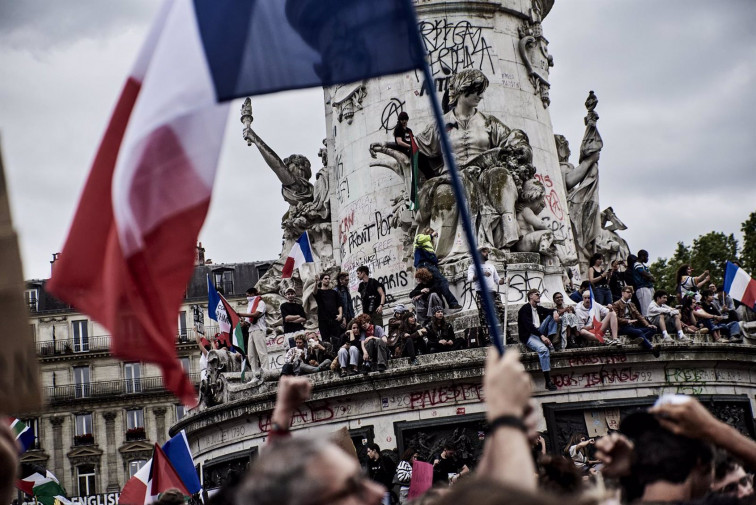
(459, 194)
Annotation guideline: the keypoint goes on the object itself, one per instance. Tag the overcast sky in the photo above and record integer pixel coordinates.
(676, 83)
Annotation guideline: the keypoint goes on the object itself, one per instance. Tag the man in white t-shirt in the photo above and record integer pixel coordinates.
(491, 282)
(257, 351)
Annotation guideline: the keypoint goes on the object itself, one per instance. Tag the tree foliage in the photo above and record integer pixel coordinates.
(748, 254)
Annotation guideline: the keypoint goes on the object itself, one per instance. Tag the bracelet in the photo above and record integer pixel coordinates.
(510, 421)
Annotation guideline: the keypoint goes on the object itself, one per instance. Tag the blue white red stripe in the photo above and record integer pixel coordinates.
(300, 253)
(739, 285)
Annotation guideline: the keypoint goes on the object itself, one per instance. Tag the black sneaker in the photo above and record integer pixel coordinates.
(366, 368)
(381, 368)
(414, 362)
(656, 351)
(551, 386)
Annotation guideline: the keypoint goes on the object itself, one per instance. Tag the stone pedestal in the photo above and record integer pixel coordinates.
(370, 222)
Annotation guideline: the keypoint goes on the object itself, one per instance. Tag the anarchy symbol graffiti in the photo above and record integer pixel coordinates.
(390, 114)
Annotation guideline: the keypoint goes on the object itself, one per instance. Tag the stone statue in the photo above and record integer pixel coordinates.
(309, 210)
(535, 235)
(213, 388)
(594, 231)
(494, 162)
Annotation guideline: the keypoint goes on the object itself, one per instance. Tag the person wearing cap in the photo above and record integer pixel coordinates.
(491, 283)
(441, 334)
(292, 313)
(536, 326)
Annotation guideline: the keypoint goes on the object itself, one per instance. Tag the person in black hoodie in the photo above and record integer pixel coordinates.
(441, 334)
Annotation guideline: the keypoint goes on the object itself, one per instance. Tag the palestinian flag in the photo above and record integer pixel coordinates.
(23, 434)
(237, 336)
(413, 205)
(44, 488)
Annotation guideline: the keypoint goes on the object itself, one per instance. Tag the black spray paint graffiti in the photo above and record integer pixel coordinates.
(520, 284)
(395, 280)
(452, 47)
(390, 114)
(342, 191)
(377, 230)
(558, 228)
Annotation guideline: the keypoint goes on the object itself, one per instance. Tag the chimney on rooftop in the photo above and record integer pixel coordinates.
(199, 255)
(56, 256)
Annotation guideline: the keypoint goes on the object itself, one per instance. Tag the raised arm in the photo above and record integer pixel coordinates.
(271, 158)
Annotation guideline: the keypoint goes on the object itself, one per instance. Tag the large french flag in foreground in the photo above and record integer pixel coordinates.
(739, 285)
(300, 253)
(130, 250)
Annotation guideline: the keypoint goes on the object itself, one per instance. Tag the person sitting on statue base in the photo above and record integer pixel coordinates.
(605, 315)
(568, 327)
(373, 341)
(348, 354)
(491, 283)
(411, 338)
(631, 323)
(537, 325)
(441, 333)
(425, 295)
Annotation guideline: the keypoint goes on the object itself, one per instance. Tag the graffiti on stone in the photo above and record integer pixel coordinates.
(390, 114)
(434, 397)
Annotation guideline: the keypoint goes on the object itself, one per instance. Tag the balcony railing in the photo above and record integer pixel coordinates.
(62, 347)
(103, 389)
(86, 439)
(133, 434)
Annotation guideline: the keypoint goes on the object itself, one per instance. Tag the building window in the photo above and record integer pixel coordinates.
(180, 412)
(32, 299)
(33, 425)
(185, 364)
(182, 333)
(133, 374)
(81, 381)
(224, 281)
(83, 432)
(135, 425)
(86, 477)
(134, 418)
(135, 466)
(80, 335)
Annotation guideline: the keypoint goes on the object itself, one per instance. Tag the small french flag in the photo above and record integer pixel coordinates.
(300, 253)
(593, 314)
(739, 285)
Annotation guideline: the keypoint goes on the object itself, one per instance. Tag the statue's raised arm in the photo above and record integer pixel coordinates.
(294, 172)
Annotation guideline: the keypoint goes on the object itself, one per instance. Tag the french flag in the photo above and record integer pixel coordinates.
(300, 253)
(739, 285)
(130, 249)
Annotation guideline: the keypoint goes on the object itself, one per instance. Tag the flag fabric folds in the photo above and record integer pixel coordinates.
(229, 323)
(414, 155)
(23, 434)
(161, 473)
(177, 451)
(130, 250)
(300, 253)
(44, 487)
(739, 285)
(261, 46)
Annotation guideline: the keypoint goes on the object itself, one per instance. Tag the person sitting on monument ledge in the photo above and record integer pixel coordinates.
(292, 313)
(687, 283)
(411, 335)
(394, 322)
(491, 283)
(730, 329)
(373, 342)
(569, 326)
(630, 322)
(605, 315)
(536, 326)
(425, 257)
(348, 354)
(441, 333)
(425, 295)
(663, 317)
(372, 294)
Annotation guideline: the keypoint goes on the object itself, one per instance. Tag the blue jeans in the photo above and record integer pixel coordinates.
(451, 300)
(645, 333)
(548, 327)
(603, 295)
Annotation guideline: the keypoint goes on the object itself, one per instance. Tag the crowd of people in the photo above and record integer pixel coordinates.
(614, 304)
(675, 452)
